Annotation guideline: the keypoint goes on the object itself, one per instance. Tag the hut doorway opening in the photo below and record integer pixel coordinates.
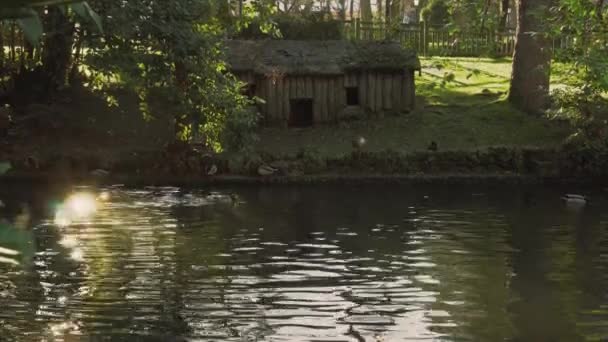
(300, 112)
(352, 96)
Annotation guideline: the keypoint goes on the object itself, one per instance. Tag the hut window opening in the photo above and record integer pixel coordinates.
(300, 112)
(352, 96)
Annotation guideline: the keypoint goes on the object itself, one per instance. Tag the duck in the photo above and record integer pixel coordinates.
(433, 146)
(574, 199)
(359, 142)
(265, 170)
(212, 170)
(100, 173)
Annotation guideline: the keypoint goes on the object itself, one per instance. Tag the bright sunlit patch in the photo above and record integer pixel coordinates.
(9, 261)
(7, 251)
(104, 196)
(78, 206)
(77, 255)
(62, 218)
(68, 242)
(82, 204)
(63, 328)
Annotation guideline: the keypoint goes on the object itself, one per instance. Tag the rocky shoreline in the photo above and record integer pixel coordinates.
(190, 168)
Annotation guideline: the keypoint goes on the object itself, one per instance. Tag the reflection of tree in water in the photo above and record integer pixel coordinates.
(469, 260)
(159, 262)
(559, 270)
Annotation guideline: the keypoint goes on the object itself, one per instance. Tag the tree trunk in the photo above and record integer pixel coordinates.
(504, 13)
(58, 48)
(2, 49)
(352, 9)
(379, 9)
(181, 83)
(529, 89)
(342, 9)
(366, 10)
(482, 27)
(397, 10)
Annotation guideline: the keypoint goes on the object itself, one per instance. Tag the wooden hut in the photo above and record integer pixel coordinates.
(310, 82)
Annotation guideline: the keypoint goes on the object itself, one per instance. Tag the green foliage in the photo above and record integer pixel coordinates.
(464, 15)
(584, 101)
(29, 21)
(313, 26)
(5, 167)
(436, 12)
(175, 49)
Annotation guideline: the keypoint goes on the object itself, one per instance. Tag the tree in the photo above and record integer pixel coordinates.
(529, 90)
(24, 11)
(436, 12)
(174, 51)
(366, 10)
(504, 13)
(39, 66)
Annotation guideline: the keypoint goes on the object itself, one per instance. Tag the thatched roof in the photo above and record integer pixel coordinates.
(331, 57)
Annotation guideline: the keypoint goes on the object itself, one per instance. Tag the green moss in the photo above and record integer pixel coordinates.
(380, 56)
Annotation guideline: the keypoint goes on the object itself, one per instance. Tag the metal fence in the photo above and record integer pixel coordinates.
(430, 40)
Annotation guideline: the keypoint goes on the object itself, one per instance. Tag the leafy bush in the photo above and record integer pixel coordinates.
(436, 12)
(175, 49)
(584, 101)
(299, 27)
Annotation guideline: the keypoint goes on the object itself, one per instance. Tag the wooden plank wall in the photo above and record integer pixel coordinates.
(377, 92)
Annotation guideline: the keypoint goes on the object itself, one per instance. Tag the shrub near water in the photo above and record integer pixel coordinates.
(585, 100)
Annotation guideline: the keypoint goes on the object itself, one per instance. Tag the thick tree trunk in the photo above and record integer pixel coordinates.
(352, 9)
(397, 10)
(58, 48)
(529, 89)
(366, 10)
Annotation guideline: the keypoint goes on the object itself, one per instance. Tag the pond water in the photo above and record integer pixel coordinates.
(367, 263)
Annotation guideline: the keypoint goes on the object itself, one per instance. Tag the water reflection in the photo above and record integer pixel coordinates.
(288, 264)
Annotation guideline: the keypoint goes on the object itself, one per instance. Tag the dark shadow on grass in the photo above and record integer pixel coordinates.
(451, 97)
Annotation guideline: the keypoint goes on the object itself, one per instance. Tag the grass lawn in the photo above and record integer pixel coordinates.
(467, 112)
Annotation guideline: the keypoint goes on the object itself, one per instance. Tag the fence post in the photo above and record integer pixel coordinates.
(424, 37)
(357, 29)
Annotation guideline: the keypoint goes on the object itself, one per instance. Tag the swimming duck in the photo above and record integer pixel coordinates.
(359, 142)
(265, 170)
(212, 170)
(99, 173)
(573, 199)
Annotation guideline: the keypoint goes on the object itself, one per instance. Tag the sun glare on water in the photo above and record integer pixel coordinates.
(78, 206)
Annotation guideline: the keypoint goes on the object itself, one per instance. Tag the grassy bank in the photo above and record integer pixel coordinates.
(461, 105)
